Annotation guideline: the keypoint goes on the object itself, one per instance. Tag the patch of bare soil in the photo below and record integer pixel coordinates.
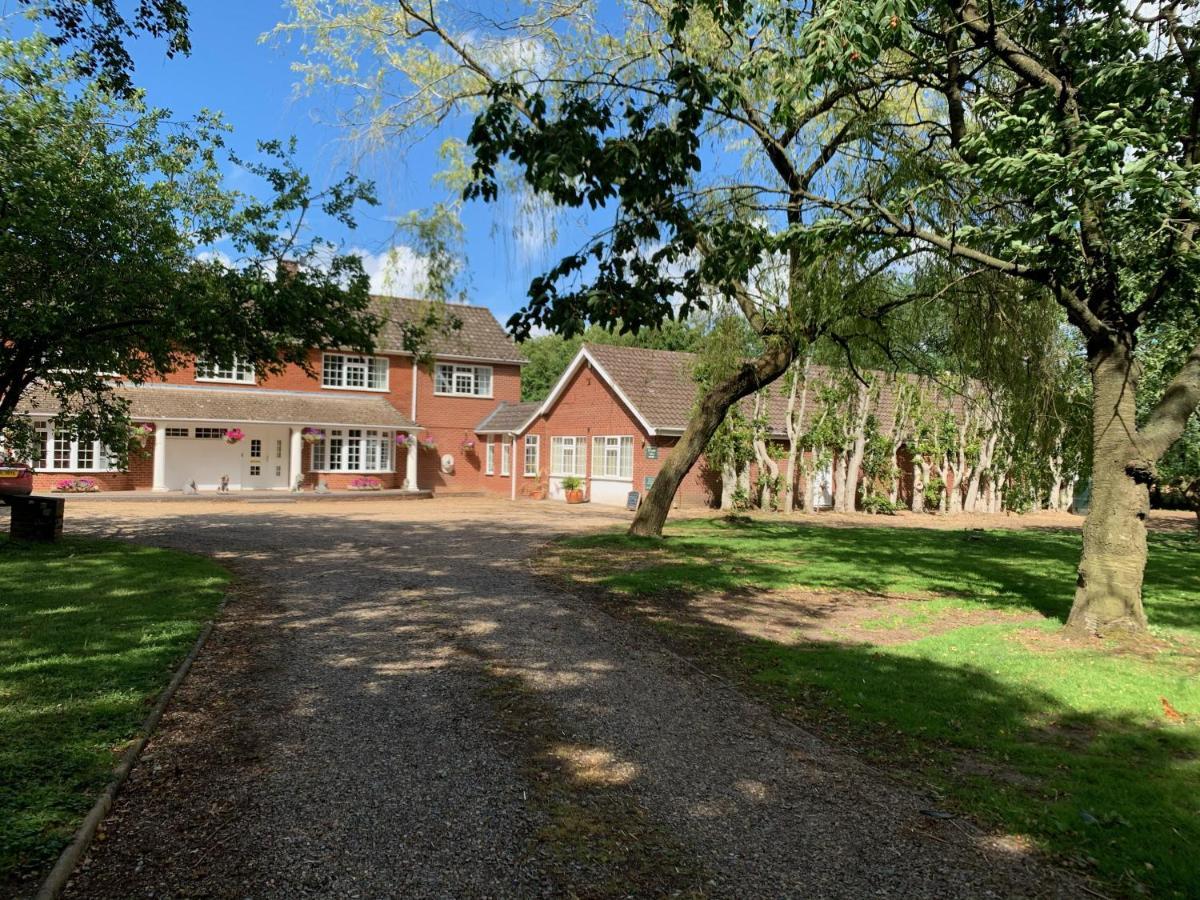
(793, 616)
(1159, 520)
(179, 819)
(1145, 647)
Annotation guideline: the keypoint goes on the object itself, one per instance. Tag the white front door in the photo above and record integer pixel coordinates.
(264, 459)
(822, 487)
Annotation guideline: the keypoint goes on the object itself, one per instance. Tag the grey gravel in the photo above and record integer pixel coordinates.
(360, 747)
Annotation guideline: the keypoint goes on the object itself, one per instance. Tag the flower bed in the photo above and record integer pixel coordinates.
(364, 483)
(76, 486)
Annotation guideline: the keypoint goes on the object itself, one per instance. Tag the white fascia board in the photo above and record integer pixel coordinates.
(576, 364)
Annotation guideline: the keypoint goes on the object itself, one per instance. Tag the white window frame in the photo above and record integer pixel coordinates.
(337, 369)
(489, 457)
(558, 446)
(237, 372)
(455, 380)
(354, 450)
(48, 461)
(506, 456)
(532, 442)
(612, 457)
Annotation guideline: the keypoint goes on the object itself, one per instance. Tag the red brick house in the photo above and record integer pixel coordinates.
(610, 420)
(357, 416)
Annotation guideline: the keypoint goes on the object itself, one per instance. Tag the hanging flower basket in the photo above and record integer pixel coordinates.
(427, 444)
(468, 446)
(140, 434)
(405, 440)
(234, 436)
(312, 435)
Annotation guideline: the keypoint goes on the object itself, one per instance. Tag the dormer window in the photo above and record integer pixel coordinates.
(354, 373)
(237, 372)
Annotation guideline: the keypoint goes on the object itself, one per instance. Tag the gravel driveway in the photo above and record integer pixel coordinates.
(393, 706)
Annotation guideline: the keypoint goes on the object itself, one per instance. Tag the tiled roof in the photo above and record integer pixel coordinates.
(659, 383)
(507, 418)
(479, 337)
(229, 405)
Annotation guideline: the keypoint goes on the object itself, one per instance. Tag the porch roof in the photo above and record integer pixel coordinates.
(157, 402)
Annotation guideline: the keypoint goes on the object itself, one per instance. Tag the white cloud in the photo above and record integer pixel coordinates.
(397, 272)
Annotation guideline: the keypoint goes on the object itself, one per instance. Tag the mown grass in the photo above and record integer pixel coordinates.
(90, 633)
(1064, 742)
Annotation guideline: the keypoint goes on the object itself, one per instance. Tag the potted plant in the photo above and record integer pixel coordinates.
(234, 436)
(311, 435)
(572, 489)
(538, 491)
(406, 441)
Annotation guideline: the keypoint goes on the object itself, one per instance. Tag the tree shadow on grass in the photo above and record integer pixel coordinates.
(1114, 789)
(1020, 569)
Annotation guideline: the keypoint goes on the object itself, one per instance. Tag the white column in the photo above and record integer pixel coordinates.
(296, 463)
(160, 457)
(512, 465)
(410, 460)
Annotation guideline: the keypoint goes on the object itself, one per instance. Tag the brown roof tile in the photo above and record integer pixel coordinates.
(659, 383)
(230, 405)
(479, 337)
(507, 417)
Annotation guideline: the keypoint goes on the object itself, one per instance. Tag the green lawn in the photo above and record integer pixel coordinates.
(1066, 743)
(90, 633)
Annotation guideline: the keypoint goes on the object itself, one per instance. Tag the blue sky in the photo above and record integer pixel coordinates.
(252, 84)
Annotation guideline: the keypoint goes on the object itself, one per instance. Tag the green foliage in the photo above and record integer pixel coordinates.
(934, 489)
(877, 504)
(112, 211)
(91, 632)
(572, 483)
(99, 30)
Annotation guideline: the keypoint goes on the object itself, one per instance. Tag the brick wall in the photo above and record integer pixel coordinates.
(589, 407)
(138, 476)
(450, 421)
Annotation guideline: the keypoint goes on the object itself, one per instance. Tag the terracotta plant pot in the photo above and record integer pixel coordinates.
(575, 496)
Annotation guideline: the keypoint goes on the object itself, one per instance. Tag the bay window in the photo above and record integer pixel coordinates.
(353, 450)
(60, 451)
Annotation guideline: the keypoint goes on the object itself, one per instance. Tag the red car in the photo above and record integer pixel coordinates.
(16, 480)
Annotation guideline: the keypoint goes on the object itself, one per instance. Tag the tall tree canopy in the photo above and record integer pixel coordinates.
(739, 145)
(99, 29)
(106, 208)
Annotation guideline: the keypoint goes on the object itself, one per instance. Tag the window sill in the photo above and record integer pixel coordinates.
(464, 396)
(365, 390)
(252, 382)
(610, 478)
(351, 472)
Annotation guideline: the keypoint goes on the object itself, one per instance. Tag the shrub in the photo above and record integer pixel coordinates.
(879, 505)
(571, 483)
(77, 486)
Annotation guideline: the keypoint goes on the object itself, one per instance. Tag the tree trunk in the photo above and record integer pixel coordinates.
(1108, 595)
(918, 495)
(648, 521)
(729, 479)
(794, 422)
(862, 410)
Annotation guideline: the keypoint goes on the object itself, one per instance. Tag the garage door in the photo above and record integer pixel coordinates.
(201, 455)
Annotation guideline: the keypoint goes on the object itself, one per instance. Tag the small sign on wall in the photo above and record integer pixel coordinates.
(651, 452)
(648, 482)
(632, 501)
